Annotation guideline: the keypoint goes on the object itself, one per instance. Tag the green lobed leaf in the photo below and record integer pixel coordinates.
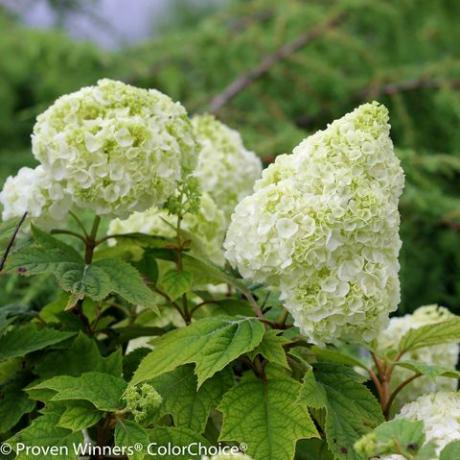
(313, 449)
(82, 356)
(428, 369)
(210, 343)
(11, 313)
(46, 255)
(163, 436)
(79, 415)
(98, 280)
(266, 416)
(176, 283)
(189, 406)
(205, 272)
(226, 306)
(272, 348)
(126, 281)
(331, 355)
(451, 451)
(26, 339)
(44, 431)
(129, 434)
(396, 436)
(430, 335)
(351, 409)
(104, 391)
(14, 404)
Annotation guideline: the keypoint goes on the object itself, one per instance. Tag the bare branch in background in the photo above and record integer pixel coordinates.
(408, 85)
(246, 79)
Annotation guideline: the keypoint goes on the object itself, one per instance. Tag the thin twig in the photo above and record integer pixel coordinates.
(252, 301)
(390, 89)
(11, 241)
(79, 222)
(386, 409)
(246, 79)
(377, 384)
(58, 231)
(170, 301)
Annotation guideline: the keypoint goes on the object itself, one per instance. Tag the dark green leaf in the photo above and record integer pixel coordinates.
(14, 403)
(79, 415)
(129, 434)
(82, 356)
(26, 339)
(103, 390)
(189, 406)
(44, 431)
(351, 409)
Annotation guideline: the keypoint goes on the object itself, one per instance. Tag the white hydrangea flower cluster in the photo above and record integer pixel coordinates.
(444, 355)
(226, 169)
(440, 414)
(322, 225)
(115, 148)
(32, 191)
(206, 228)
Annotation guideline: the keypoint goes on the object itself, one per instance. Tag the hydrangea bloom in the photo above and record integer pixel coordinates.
(445, 355)
(226, 169)
(322, 225)
(440, 414)
(206, 228)
(116, 148)
(32, 191)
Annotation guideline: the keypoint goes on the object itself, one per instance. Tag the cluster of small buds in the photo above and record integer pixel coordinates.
(144, 402)
(205, 227)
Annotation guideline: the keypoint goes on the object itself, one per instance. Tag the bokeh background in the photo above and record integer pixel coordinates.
(274, 70)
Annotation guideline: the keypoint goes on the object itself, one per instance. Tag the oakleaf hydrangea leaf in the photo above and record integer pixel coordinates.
(104, 391)
(351, 409)
(266, 416)
(189, 406)
(210, 343)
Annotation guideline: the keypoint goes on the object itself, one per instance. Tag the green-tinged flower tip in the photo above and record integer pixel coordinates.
(322, 225)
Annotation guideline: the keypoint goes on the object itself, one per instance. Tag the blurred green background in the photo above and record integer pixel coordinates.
(404, 53)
